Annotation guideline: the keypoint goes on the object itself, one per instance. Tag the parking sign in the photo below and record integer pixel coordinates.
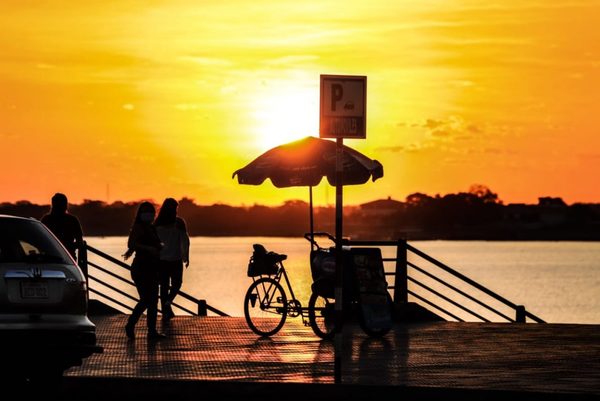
(343, 106)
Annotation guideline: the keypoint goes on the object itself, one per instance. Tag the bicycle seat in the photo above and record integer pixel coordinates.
(277, 257)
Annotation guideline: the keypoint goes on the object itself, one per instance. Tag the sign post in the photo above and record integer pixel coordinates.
(342, 115)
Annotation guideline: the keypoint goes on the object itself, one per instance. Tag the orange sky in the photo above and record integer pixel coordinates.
(168, 98)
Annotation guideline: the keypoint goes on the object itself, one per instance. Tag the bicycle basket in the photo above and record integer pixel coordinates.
(262, 262)
(322, 265)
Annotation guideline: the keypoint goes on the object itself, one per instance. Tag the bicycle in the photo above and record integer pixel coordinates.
(266, 304)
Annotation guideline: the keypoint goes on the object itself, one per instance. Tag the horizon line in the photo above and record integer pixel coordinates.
(108, 203)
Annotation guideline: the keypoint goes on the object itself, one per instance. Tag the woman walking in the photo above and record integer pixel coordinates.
(174, 254)
(145, 243)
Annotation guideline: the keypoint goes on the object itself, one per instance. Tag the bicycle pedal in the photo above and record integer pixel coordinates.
(280, 300)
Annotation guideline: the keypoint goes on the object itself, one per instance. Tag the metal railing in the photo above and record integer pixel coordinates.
(202, 308)
(434, 284)
(457, 292)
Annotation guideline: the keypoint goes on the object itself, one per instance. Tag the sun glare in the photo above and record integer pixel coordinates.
(284, 117)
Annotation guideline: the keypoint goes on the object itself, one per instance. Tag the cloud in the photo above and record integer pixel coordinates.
(462, 83)
(441, 133)
(410, 148)
(474, 128)
(463, 137)
(228, 89)
(292, 59)
(393, 149)
(433, 124)
(452, 127)
(45, 66)
(207, 61)
(588, 156)
(453, 134)
(187, 106)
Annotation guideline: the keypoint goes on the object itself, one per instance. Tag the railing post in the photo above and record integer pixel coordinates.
(401, 279)
(202, 310)
(82, 260)
(521, 314)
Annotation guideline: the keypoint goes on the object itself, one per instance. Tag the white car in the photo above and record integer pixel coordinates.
(44, 327)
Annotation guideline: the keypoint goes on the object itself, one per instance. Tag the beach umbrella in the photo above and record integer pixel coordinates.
(305, 162)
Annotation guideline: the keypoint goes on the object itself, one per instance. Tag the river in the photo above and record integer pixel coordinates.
(557, 281)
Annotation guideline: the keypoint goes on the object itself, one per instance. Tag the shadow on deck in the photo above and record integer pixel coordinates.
(220, 358)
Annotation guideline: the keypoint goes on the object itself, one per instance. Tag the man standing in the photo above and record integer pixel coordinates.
(63, 225)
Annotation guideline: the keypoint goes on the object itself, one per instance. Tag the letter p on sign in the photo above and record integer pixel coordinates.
(337, 94)
(343, 106)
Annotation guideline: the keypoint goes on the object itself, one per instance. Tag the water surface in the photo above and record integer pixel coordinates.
(557, 281)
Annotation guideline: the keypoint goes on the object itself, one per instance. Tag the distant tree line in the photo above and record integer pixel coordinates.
(478, 214)
(472, 215)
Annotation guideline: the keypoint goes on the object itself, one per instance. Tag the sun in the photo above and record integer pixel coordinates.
(286, 115)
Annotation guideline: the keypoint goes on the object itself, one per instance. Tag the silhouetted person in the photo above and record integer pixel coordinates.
(172, 231)
(144, 242)
(64, 225)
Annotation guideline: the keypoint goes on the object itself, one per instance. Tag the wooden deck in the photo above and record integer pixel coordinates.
(220, 355)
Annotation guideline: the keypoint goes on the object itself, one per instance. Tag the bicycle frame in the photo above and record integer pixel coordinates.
(294, 306)
(283, 273)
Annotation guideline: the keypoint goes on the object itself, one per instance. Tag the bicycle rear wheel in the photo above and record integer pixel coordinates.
(265, 307)
(379, 321)
(321, 315)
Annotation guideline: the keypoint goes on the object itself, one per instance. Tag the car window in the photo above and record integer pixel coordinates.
(28, 241)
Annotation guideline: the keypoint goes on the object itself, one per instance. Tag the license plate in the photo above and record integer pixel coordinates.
(31, 290)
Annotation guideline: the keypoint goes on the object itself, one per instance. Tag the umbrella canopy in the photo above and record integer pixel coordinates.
(305, 162)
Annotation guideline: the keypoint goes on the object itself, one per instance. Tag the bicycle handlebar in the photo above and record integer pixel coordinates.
(318, 234)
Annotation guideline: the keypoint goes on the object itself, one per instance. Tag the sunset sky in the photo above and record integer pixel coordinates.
(127, 100)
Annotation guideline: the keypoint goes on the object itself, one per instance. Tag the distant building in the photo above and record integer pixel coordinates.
(548, 201)
(381, 208)
(553, 211)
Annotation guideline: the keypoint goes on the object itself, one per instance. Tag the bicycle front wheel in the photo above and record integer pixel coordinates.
(321, 315)
(265, 307)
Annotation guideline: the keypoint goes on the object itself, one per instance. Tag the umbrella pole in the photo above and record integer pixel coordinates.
(312, 225)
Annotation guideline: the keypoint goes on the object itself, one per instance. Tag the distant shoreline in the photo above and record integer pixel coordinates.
(474, 216)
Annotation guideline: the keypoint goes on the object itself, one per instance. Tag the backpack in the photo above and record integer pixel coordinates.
(263, 262)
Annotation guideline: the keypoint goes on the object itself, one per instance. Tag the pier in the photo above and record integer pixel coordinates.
(220, 358)
(430, 353)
